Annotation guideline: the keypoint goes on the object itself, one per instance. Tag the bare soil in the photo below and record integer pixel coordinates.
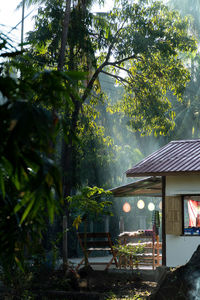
(117, 285)
(85, 285)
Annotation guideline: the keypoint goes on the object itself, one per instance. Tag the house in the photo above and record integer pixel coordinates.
(172, 172)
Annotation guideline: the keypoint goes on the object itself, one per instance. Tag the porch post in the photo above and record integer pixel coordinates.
(163, 222)
(107, 224)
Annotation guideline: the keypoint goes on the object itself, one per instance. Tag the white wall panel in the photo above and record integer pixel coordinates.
(179, 249)
(179, 185)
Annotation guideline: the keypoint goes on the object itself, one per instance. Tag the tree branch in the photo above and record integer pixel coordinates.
(92, 80)
(125, 70)
(112, 44)
(100, 69)
(106, 63)
(115, 63)
(116, 77)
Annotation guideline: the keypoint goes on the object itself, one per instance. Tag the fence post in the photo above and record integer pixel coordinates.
(65, 250)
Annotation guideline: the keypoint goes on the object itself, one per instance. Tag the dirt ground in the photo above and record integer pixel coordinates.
(117, 286)
(85, 285)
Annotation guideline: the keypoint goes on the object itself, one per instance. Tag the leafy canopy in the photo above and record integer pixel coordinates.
(139, 44)
(90, 203)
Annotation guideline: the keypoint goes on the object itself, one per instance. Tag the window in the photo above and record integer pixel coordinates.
(191, 220)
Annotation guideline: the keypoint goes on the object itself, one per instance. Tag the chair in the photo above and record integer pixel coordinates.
(97, 241)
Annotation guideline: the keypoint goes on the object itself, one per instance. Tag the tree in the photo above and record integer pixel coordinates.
(143, 41)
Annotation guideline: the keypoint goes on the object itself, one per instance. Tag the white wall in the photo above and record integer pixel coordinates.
(179, 185)
(179, 249)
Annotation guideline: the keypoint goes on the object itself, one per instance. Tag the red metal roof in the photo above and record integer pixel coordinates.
(176, 158)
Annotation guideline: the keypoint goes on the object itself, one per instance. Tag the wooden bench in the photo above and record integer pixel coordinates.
(97, 241)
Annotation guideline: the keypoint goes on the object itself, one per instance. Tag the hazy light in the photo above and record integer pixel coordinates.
(140, 204)
(151, 206)
(126, 207)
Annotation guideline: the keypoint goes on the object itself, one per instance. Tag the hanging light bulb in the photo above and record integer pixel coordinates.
(140, 204)
(151, 206)
(126, 207)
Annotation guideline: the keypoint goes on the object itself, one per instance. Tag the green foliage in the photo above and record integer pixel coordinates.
(130, 253)
(19, 282)
(44, 40)
(140, 46)
(30, 180)
(157, 38)
(156, 112)
(142, 40)
(129, 250)
(90, 203)
(189, 8)
(187, 121)
(95, 152)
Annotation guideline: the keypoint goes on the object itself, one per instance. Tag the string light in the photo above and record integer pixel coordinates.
(126, 207)
(151, 206)
(140, 204)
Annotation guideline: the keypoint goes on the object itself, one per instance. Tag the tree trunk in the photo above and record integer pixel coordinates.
(68, 157)
(65, 28)
(61, 62)
(22, 25)
(68, 164)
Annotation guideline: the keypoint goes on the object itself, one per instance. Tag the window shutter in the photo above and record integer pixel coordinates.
(173, 206)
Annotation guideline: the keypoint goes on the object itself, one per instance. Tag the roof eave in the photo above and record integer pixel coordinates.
(150, 187)
(164, 173)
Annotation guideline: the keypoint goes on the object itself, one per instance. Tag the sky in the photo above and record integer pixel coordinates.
(10, 17)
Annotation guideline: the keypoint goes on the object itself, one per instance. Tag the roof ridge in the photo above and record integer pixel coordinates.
(185, 141)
